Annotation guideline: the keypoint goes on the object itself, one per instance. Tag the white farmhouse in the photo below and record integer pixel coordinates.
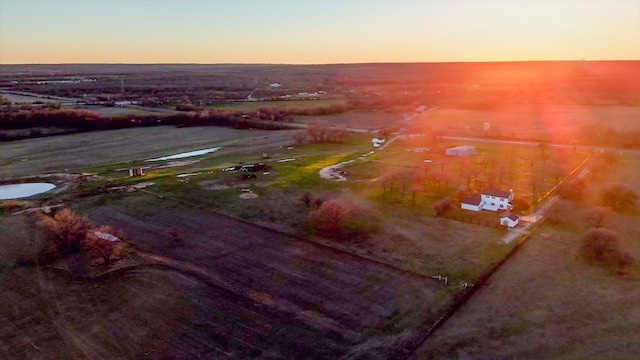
(472, 203)
(495, 200)
(509, 220)
(489, 199)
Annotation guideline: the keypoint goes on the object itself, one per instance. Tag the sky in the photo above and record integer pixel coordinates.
(316, 32)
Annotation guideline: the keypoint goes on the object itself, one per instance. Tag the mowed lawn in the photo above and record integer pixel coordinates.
(313, 302)
(58, 153)
(547, 302)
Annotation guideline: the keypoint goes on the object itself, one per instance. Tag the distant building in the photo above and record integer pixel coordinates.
(136, 172)
(464, 150)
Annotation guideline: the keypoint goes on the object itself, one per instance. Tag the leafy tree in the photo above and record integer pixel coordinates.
(619, 196)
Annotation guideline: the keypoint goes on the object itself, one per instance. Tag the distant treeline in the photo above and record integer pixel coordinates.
(83, 121)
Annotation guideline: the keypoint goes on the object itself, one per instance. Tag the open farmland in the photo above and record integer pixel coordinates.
(280, 105)
(25, 99)
(540, 122)
(548, 302)
(285, 297)
(357, 120)
(55, 154)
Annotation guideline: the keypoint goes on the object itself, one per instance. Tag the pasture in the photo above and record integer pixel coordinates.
(250, 106)
(548, 302)
(538, 122)
(87, 150)
(356, 119)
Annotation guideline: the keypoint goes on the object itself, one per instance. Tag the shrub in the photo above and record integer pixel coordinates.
(442, 206)
(340, 220)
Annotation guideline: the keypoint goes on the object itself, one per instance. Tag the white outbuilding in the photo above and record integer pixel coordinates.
(509, 220)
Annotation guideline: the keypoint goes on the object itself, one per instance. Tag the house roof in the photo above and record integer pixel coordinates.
(498, 193)
(512, 217)
(474, 200)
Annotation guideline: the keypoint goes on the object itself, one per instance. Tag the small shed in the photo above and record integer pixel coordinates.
(464, 150)
(509, 220)
(472, 203)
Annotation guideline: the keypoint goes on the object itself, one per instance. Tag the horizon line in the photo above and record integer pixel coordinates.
(319, 64)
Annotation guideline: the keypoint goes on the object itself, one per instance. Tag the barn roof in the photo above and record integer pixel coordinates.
(474, 200)
(498, 193)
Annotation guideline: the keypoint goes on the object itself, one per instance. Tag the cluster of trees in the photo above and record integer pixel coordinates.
(318, 133)
(72, 234)
(600, 244)
(82, 120)
(338, 219)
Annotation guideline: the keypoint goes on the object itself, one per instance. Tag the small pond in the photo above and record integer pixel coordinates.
(187, 154)
(19, 191)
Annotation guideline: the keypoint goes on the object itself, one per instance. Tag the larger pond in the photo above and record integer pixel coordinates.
(19, 191)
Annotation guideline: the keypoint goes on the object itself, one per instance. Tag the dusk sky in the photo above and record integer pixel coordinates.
(318, 32)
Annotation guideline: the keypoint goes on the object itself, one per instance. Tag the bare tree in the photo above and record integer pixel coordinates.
(598, 217)
(619, 197)
(67, 231)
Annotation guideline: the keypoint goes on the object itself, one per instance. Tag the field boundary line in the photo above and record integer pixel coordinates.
(464, 298)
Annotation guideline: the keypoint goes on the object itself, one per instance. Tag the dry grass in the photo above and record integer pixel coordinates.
(556, 123)
(55, 154)
(547, 302)
(358, 120)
